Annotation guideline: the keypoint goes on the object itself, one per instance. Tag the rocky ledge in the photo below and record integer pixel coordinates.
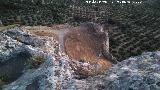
(29, 62)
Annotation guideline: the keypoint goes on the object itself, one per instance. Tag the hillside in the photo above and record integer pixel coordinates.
(135, 27)
(29, 62)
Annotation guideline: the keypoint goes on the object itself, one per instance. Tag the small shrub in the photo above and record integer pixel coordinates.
(3, 81)
(1, 84)
(35, 61)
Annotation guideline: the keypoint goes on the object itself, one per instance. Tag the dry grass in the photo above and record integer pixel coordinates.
(84, 47)
(45, 33)
(45, 30)
(79, 46)
(2, 28)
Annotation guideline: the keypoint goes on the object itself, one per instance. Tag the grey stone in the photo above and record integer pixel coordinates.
(135, 73)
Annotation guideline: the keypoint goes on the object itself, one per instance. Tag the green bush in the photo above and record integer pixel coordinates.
(35, 61)
(3, 81)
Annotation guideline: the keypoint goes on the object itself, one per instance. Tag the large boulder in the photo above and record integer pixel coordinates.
(136, 73)
(13, 56)
(17, 56)
(25, 38)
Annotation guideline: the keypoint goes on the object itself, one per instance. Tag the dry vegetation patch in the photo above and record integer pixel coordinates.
(81, 47)
(86, 48)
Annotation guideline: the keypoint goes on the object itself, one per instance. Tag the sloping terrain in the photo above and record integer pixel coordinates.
(79, 46)
(130, 43)
(135, 28)
(138, 24)
(83, 46)
(51, 68)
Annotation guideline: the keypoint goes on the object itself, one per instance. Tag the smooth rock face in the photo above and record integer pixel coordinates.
(136, 73)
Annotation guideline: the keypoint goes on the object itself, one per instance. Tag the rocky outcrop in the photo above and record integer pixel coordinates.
(54, 72)
(138, 26)
(136, 73)
(16, 55)
(24, 37)
(13, 56)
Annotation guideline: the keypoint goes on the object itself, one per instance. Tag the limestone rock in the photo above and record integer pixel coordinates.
(24, 38)
(135, 73)
(54, 73)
